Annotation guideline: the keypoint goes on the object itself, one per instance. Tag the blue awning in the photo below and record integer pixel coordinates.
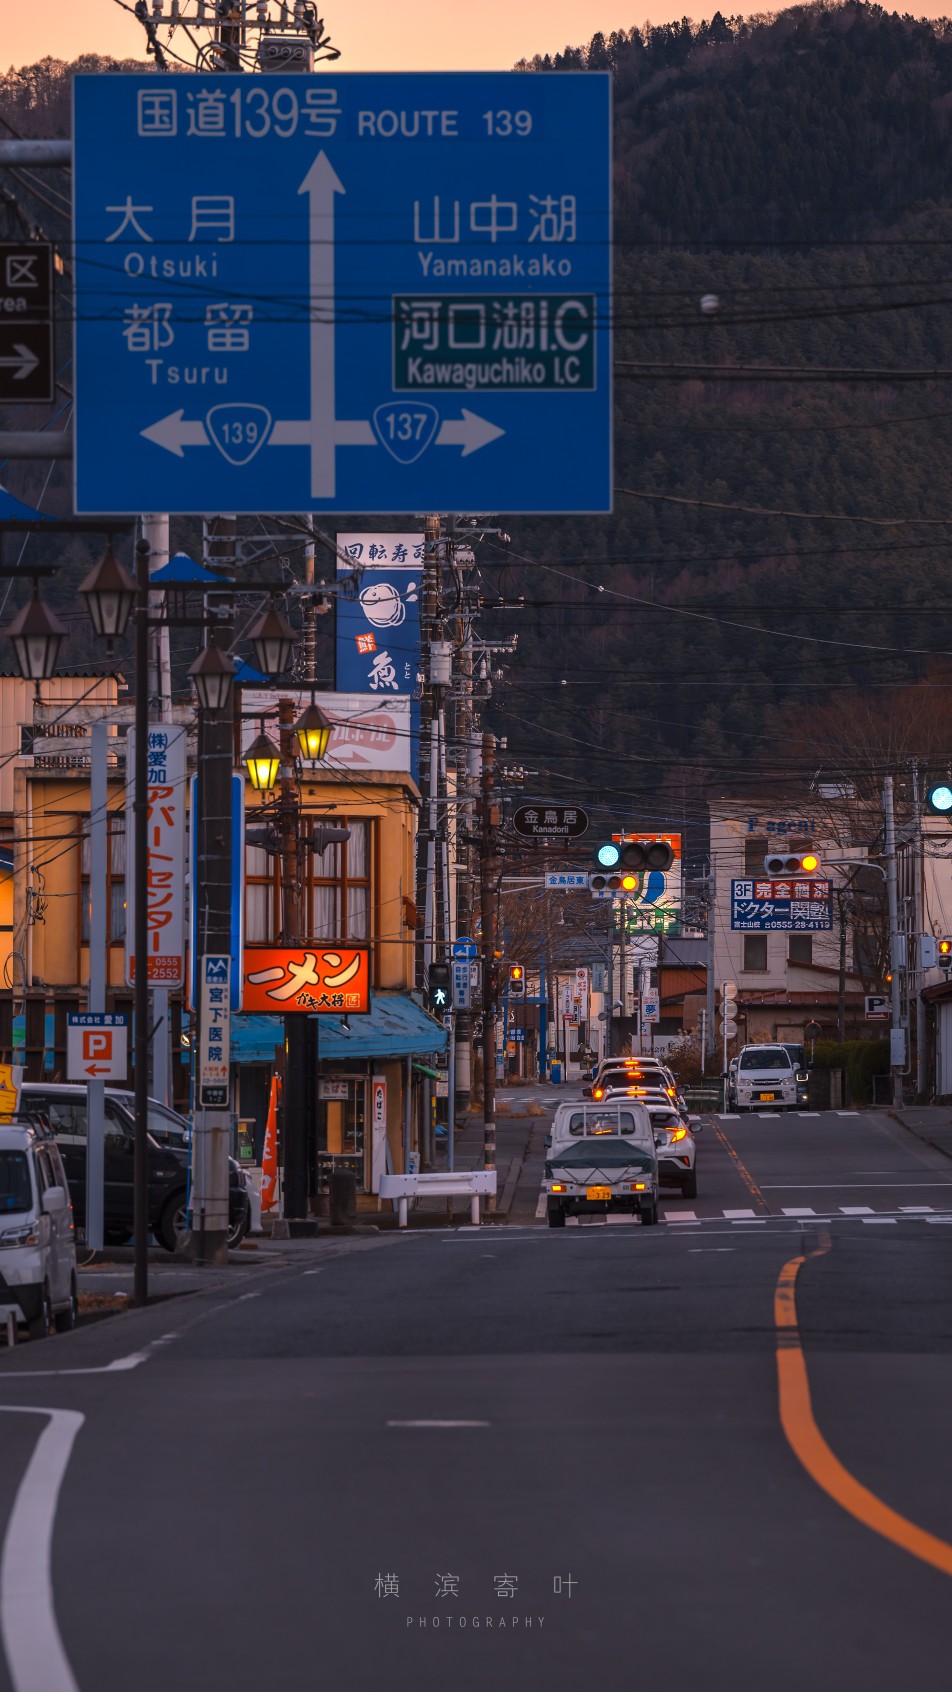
(396, 1027)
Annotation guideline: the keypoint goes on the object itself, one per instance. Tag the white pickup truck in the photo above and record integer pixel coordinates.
(601, 1157)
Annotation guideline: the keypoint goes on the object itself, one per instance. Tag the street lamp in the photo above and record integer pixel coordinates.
(109, 592)
(273, 640)
(313, 730)
(37, 635)
(212, 675)
(263, 763)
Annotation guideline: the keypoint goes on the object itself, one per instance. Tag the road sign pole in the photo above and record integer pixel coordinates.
(140, 943)
(96, 1001)
(451, 1097)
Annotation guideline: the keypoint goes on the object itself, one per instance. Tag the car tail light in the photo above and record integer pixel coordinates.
(598, 1092)
(557, 1187)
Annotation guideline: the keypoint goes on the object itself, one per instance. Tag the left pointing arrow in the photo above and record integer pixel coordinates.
(175, 432)
(22, 361)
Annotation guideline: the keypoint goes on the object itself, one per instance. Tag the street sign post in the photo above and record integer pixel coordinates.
(97, 1047)
(370, 292)
(214, 1031)
(550, 822)
(464, 947)
(876, 1007)
(462, 982)
(26, 322)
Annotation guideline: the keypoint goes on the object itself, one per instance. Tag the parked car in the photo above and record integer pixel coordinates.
(65, 1105)
(37, 1235)
(601, 1158)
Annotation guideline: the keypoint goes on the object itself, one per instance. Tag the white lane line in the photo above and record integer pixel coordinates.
(786, 1212)
(847, 1113)
(879, 1221)
(739, 1215)
(433, 1424)
(946, 1219)
(807, 1113)
(679, 1215)
(846, 1186)
(31, 1638)
(916, 1209)
(118, 1367)
(856, 1210)
(311, 1272)
(728, 1116)
(540, 1207)
(751, 1221)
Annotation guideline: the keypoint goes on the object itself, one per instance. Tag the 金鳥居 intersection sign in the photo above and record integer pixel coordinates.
(369, 292)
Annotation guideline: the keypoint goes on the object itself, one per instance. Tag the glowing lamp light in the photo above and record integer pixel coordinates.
(810, 863)
(940, 799)
(263, 762)
(608, 854)
(313, 730)
(629, 883)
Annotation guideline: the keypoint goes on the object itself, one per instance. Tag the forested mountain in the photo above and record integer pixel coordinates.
(796, 168)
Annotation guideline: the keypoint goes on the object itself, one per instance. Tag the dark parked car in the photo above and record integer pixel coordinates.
(65, 1107)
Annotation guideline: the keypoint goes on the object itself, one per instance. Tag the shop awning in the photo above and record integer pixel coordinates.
(396, 1027)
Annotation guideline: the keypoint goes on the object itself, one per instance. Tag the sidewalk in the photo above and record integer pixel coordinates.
(930, 1123)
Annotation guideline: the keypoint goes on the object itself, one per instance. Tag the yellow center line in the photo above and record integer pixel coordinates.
(807, 1442)
(744, 1173)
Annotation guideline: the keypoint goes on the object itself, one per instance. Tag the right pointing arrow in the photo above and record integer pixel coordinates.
(22, 361)
(469, 431)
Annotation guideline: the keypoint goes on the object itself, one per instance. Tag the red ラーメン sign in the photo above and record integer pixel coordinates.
(165, 873)
(316, 978)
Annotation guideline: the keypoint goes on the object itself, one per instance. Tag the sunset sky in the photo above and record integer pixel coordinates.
(371, 34)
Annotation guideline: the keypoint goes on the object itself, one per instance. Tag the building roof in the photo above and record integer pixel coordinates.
(396, 1027)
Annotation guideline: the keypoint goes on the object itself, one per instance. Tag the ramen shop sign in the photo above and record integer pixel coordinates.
(317, 979)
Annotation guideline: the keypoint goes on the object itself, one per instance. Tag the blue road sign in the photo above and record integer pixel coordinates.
(464, 947)
(798, 907)
(358, 292)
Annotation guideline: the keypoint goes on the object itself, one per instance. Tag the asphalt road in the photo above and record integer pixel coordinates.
(511, 1405)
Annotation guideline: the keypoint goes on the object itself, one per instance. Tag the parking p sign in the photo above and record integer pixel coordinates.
(97, 1047)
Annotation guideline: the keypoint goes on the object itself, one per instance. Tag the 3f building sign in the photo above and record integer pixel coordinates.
(361, 293)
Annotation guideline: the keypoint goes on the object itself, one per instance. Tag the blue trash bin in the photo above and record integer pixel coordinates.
(555, 1074)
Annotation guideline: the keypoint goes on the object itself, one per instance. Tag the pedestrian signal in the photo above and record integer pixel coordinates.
(944, 949)
(517, 981)
(438, 988)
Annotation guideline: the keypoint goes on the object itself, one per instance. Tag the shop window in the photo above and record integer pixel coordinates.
(801, 949)
(341, 1121)
(336, 888)
(755, 851)
(260, 895)
(115, 882)
(755, 953)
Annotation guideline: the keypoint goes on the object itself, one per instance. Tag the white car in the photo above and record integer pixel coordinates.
(762, 1075)
(37, 1237)
(677, 1151)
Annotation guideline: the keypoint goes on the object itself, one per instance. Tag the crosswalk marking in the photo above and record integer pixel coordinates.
(916, 1209)
(799, 1212)
(738, 1215)
(679, 1215)
(540, 1207)
(856, 1210)
(881, 1221)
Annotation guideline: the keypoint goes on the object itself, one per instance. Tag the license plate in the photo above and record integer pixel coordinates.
(598, 1192)
(767, 1098)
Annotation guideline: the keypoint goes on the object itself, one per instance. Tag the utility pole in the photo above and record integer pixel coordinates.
(208, 1220)
(300, 1032)
(488, 877)
(919, 924)
(897, 1042)
(709, 982)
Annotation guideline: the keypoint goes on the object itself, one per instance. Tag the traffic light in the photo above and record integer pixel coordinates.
(939, 799)
(632, 858)
(783, 864)
(517, 981)
(438, 988)
(605, 883)
(944, 950)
